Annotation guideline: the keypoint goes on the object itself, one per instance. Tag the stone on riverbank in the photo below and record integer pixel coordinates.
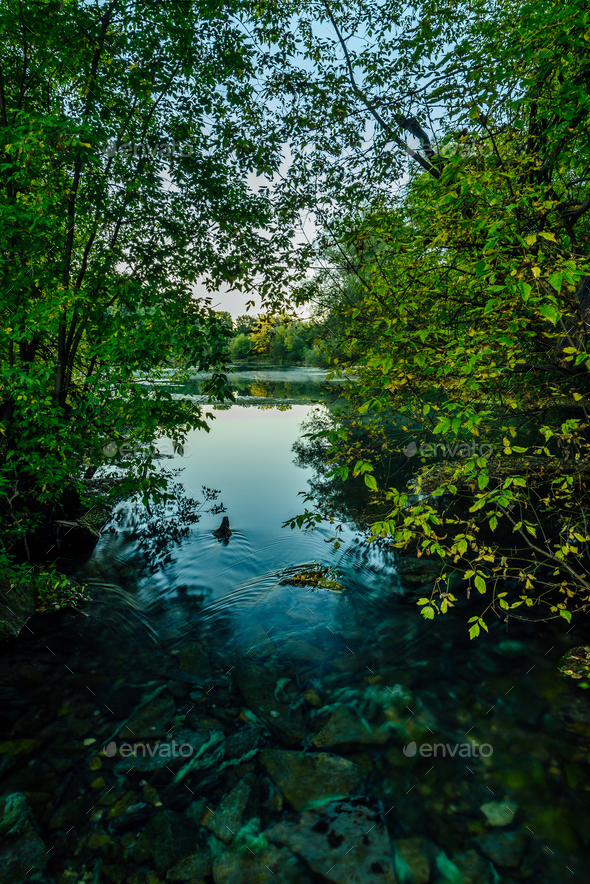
(17, 606)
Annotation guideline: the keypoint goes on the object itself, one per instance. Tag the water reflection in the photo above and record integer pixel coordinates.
(270, 387)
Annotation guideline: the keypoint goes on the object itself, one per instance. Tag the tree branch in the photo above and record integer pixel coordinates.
(411, 125)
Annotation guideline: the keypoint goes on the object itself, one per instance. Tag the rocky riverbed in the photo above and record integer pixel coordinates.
(305, 756)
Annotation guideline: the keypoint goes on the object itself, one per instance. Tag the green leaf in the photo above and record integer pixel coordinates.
(370, 482)
(549, 311)
(480, 584)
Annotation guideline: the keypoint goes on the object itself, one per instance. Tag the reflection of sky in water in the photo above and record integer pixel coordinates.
(248, 457)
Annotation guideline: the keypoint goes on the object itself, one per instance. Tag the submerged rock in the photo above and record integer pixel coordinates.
(240, 866)
(152, 720)
(14, 812)
(258, 686)
(227, 819)
(344, 727)
(20, 748)
(505, 849)
(194, 866)
(167, 839)
(474, 868)
(498, 813)
(345, 842)
(69, 813)
(413, 859)
(194, 662)
(309, 781)
(23, 855)
(174, 752)
(297, 648)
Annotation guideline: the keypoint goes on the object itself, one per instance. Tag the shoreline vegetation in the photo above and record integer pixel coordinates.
(275, 339)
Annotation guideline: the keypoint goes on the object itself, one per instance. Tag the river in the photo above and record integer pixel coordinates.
(328, 732)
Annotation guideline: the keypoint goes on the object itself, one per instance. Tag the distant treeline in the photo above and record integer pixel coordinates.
(274, 338)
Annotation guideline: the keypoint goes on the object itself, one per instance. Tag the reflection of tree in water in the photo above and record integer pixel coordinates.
(330, 495)
(334, 498)
(156, 528)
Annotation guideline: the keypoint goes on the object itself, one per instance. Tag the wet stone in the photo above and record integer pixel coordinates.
(242, 743)
(227, 819)
(114, 873)
(258, 686)
(312, 698)
(17, 608)
(22, 852)
(23, 855)
(413, 859)
(195, 866)
(109, 850)
(152, 720)
(344, 727)
(255, 641)
(345, 842)
(14, 812)
(79, 727)
(309, 781)
(499, 813)
(194, 660)
(239, 866)
(151, 756)
(474, 868)
(298, 649)
(505, 849)
(20, 748)
(70, 813)
(168, 838)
